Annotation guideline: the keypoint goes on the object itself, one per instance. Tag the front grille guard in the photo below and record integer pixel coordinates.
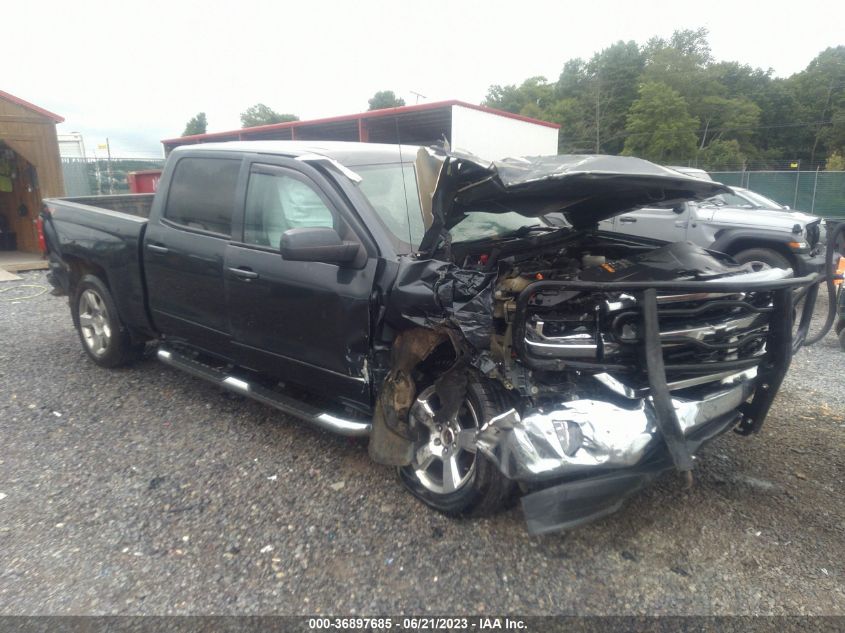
(771, 366)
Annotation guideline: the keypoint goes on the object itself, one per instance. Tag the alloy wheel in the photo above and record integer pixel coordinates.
(94, 322)
(445, 453)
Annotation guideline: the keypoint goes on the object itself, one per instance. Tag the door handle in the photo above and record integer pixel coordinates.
(681, 224)
(244, 273)
(155, 248)
(627, 219)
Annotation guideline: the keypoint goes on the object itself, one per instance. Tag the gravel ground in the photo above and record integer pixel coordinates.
(144, 491)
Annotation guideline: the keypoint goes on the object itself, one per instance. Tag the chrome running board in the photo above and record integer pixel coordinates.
(286, 404)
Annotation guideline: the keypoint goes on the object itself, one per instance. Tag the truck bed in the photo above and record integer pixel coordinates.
(101, 234)
(137, 204)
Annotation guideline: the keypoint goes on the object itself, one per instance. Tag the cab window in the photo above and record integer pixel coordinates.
(279, 199)
(202, 194)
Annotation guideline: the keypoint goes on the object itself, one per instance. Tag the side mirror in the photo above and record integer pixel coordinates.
(679, 208)
(317, 244)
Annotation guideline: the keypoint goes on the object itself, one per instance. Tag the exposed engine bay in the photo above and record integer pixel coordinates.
(602, 328)
(610, 358)
(616, 353)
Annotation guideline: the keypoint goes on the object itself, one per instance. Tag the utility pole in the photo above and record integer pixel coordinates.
(97, 174)
(598, 114)
(418, 96)
(821, 123)
(111, 181)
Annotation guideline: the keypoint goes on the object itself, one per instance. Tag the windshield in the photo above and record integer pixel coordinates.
(393, 193)
(761, 201)
(742, 199)
(480, 225)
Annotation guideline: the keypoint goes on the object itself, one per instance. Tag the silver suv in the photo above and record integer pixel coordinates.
(743, 224)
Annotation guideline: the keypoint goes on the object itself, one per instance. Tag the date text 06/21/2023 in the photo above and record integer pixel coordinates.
(418, 623)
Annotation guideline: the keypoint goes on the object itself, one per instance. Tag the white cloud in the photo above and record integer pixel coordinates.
(136, 72)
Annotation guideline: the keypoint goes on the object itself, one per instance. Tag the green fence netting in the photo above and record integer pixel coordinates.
(818, 192)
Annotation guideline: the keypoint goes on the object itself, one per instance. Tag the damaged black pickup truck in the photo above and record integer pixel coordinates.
(421, 297)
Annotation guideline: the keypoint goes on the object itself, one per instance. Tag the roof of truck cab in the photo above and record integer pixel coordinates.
(344, 152)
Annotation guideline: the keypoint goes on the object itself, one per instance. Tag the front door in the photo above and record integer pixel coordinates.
(662, 223)
(303, 322)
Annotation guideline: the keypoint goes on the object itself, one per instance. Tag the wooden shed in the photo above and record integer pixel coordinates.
(30, 169)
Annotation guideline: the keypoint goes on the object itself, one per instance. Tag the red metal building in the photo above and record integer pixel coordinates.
(485, 131)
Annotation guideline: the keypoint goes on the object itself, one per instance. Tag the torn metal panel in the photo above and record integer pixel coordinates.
(428, 166)
(592, 435)
(451, 389)
(585, 189)
(431, 293)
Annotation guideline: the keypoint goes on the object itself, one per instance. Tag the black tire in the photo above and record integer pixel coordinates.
(842, 340)
(764, 256)
(104, 337)
(486, 490)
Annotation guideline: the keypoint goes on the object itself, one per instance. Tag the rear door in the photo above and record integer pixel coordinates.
(303, 322)
(658, 222)
(185, 249)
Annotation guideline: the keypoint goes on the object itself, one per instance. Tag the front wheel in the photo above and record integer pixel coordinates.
(759, 256)
(447, 472)
(104, 338)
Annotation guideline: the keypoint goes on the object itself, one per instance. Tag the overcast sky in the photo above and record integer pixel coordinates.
(137, 71)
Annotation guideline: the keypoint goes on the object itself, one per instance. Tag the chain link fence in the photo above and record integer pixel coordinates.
(819, 192)
(92, 176)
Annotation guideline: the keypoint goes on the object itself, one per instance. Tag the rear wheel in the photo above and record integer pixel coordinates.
(447, 472)
(104, 338)
(761, 256)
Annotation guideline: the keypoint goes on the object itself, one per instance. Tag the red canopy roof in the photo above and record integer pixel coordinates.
(372, 114)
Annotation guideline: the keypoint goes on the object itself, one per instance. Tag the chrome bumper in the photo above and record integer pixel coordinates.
(595, 435)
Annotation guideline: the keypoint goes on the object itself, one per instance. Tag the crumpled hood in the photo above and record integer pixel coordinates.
(584, 188)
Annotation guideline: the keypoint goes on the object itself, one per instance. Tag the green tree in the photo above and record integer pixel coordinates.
(260, 114)
(834, 135)
(681, 63)
(385, 99)
(722, 155)
(724, 118)
(740, 80)
(659, 125)
(835, 162)
(771, 119)
(197, 125)
(594, 98)
(820, 93)
(614, 77)
(535, 94)
(693, 45)
(779, 133)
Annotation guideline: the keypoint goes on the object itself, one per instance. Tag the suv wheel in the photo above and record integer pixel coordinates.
(104, 338)
(766, 256)
(447, 473)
